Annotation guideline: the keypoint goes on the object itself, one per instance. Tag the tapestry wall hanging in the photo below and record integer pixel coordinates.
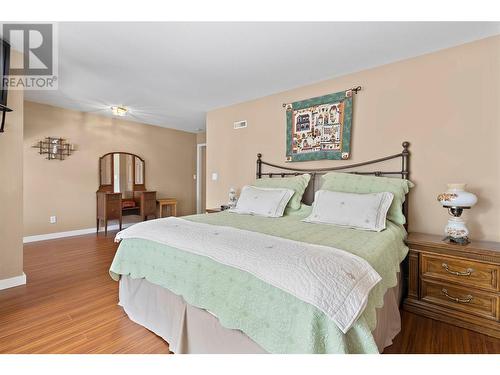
(320, 128)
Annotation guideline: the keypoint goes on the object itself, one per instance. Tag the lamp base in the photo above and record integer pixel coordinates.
(459, 241)
(456, 231)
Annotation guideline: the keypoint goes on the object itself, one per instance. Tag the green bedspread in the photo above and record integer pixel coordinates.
(276, 320)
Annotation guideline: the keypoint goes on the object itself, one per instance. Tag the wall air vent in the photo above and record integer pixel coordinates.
(240, 124)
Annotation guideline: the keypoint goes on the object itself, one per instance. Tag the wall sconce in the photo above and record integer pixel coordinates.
(54, 148)
(3, 110)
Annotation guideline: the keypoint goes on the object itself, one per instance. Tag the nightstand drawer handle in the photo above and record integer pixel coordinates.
(467, 298)
(467, 272)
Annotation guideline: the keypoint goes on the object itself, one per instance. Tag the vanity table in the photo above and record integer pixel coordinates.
(122, 189)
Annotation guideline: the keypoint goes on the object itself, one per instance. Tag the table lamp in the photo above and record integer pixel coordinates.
(456, 199)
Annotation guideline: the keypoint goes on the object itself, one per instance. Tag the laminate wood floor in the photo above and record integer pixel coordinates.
(70, 306)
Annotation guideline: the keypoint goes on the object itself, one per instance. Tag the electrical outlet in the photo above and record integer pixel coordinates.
(215, 176)
(53, 219)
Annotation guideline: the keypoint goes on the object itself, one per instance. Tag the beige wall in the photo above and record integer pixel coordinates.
(203, 179)
(201, 137)
(447, 104)
(67, 189)
(11, 186)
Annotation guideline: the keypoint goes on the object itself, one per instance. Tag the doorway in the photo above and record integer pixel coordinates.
(201, 181)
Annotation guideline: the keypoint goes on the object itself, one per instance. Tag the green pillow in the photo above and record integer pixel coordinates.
(296, 183)
(353, 183)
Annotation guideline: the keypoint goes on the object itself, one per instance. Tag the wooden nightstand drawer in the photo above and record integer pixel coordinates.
(457, 284)
(462, 271)
(462, 299)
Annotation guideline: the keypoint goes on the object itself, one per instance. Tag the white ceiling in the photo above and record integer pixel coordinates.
(171, 74)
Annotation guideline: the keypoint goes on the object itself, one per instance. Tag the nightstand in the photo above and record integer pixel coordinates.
(218, 209)
(456, 284)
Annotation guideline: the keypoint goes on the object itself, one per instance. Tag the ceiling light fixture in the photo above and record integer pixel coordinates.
(119, 110)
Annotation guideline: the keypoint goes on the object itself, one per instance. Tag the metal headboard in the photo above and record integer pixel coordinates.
(404, 172)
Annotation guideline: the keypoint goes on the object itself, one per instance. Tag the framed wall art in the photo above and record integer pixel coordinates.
(320, 128)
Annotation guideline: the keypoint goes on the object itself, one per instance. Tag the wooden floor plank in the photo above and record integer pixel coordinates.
(70, 303)
(70, 306)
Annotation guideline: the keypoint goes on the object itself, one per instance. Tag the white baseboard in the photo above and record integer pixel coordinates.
(70, 233)
(13, 281)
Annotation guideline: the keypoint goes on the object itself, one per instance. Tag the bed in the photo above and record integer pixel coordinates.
(200, 305)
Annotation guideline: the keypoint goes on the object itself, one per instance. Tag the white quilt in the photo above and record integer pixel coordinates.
(336, 282)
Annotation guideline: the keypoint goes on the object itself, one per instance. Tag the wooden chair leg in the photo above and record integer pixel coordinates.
(105, 227)
(121, 223)
(97, 231)
(174, 210)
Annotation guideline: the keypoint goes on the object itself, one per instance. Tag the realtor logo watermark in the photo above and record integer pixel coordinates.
(38, 68)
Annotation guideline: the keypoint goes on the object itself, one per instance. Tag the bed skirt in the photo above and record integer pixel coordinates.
(188, 329)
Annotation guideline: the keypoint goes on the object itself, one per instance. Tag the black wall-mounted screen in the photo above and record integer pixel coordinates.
(4, 70)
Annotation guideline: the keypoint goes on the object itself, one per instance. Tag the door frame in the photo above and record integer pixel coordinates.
(198, 174)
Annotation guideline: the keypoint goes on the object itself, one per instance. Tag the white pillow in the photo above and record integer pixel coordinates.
(262, 201)
(359, 211)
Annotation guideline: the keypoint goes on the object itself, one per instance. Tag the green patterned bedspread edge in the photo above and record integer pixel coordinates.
(276, 320)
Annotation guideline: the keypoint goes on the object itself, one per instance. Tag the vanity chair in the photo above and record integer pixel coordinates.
(122, 189)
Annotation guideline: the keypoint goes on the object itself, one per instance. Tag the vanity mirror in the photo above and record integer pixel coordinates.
(122, 188)
(121, 172)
